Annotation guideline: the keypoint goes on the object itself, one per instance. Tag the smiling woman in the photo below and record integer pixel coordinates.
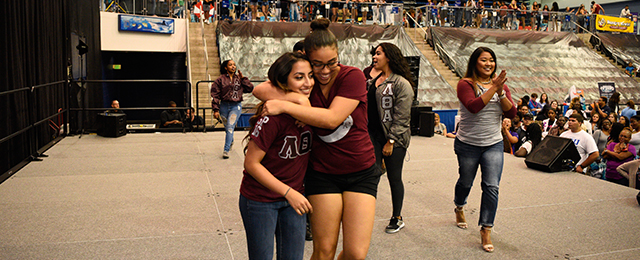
(484, 100)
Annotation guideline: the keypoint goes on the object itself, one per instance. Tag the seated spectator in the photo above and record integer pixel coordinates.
(595, 122)
(534, 106)
(575, 107)
(630, 70)
(115, 107)
(584, 142)
(439, 128)
(548, 123)
(527, 119)
(618, 152)
(509, 136)
(559, 128)
(630, 110)
(524, 109)
(601, 136)
(171, 117)
(634, 123)
(624, 120)
(533, 137)
(191, 120)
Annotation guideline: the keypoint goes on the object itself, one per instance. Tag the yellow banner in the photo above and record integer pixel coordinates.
(614, 24)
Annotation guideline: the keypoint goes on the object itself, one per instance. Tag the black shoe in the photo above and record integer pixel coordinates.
(308, 236)
(395, 224)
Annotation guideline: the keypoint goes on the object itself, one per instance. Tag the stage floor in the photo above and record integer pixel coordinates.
(172, 196)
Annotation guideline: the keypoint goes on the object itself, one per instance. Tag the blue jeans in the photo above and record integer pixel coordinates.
(491, 160)
(231, 111)
(294, 12)
(263, 220)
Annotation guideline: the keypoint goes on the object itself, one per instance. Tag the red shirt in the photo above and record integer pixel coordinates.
(226, 89)
(347, 148)
(287, 148)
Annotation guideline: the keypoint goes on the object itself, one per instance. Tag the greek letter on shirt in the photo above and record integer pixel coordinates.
(387, 103)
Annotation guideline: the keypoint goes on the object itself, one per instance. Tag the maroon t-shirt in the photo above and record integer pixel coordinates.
(287, 148)
(347, 148)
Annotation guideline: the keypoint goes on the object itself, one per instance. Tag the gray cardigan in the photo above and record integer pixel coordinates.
(393, 99)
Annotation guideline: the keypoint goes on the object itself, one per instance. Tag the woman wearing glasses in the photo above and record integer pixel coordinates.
(342, 179)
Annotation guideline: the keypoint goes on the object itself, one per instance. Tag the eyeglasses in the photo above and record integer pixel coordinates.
(320, 66)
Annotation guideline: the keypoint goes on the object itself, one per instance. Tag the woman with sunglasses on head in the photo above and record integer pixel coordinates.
(342, 180)
(277, 154)
(484, 100)
(390, 98)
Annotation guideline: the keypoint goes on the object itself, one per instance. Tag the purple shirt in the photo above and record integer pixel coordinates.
(613, 163)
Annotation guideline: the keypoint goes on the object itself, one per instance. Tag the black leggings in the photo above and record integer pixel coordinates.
(394, 164)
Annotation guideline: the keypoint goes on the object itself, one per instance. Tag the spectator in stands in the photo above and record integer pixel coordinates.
(580, 15)
(554, 23)
(554, 106)
(544, 99)
(630, 110)
(509, 136)
(584, 142)
(545, 18)
(534, 106)
(535, 7)
(253, 5)
(294, 11)
(171, 117)
(548, 123)
(596, 8)
(389, 125)
(634, 123)
(601, 136)
(619, 152)
(444, 12)
(272, 202)
(524, 109)
(566, 26)
(226, 93)
(595, 122)
(115, 107)
(623, 120)
(629, 70)
(613, 117)
(533, 138)
(459, 13)
(191, 120)
(614, 102)
(626, 13)
(559, 128)
(484, 99)
(575, 107)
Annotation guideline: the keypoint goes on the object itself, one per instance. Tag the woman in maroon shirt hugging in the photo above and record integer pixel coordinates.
(484, 100)
(277, 154)
(342, 181)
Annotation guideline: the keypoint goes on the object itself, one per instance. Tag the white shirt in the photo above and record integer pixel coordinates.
(584, 143)
(625, 12)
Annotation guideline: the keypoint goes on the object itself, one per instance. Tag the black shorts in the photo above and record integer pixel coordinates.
(365, 181)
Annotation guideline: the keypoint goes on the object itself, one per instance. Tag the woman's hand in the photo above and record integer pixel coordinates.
(298, 202)
(273, 107)
(387, 150)
(498, 82)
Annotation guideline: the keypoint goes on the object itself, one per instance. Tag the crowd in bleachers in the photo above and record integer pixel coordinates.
(614, 133)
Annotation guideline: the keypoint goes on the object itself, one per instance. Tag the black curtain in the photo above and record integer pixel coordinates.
(35, 57)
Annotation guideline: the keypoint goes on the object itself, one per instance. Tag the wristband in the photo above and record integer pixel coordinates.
(503, 96)
(285, 194)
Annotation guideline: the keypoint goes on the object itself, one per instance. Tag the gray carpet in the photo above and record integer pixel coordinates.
(171, 196)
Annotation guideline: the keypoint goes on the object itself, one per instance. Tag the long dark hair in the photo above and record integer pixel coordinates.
(223, 67)
(472, 73)
(278, 75)
(320, 36)
(614, 133)
(397, 63)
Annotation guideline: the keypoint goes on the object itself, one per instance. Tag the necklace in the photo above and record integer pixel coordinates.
(485, 83)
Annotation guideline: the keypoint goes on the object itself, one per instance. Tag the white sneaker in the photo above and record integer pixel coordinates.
(225, 155)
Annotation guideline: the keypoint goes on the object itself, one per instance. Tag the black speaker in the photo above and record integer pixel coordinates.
(427, 121)
(415, 118)
(553, 154)
(112, 124)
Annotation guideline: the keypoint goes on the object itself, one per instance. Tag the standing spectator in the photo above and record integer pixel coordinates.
(630, 110)
(294, 11)
(566, 26)
(554, 23)
(595, 122)
(618, 152)
(271, 201)
(535, 7)
(580, 17)
(626, 13)
(390, 97)
(171, 117)
(614, 102)
(226, 93)
(364, 10)
(458, 13)
(545, 18)
(596, 8)
(444, 12)
(600, 107)
(587, 147)
(601, 136)
(484, 99)
(504, 18)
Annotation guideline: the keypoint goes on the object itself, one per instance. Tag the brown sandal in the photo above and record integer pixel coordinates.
(461, 222)
(485, 234)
